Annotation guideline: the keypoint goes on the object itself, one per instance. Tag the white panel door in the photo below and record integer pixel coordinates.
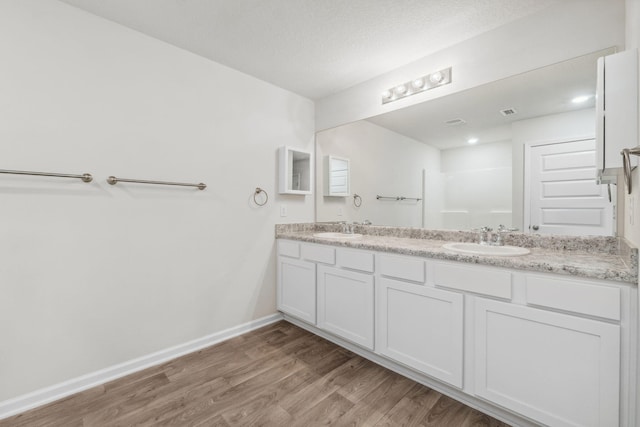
(557, 369)
(346, 304)
(563, 195)
(422, 328)
(297, 288)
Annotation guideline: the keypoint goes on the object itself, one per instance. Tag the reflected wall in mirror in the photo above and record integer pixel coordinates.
(464, 154)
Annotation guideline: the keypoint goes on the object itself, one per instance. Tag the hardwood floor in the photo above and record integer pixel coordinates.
(279, 375)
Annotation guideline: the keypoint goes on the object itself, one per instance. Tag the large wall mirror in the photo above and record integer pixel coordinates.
(474, 158)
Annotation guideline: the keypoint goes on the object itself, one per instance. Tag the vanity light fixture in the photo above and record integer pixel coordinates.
(420, 84)
(472, 140)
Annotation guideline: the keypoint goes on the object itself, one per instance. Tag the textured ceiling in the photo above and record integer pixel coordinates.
(313, 47)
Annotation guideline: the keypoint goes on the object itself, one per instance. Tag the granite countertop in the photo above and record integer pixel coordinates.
(606, 258)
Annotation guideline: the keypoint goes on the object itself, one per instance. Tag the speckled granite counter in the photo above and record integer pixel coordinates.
(606, 258)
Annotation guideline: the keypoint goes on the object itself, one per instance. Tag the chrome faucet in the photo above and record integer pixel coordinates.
(486, 235)
(346, 227)
(499, 236)
(483, 235)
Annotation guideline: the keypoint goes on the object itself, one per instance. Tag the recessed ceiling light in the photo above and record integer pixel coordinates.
(581, 99)
(455, 122)
(387, 94)
(472, 140)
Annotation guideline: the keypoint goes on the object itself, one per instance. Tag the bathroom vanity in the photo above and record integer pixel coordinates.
(545, 338)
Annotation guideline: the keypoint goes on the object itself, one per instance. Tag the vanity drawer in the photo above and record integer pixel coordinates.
(401, 267)
(355, 260)
(319, 253)
(479, 280)
(570, 295)
(289, 248)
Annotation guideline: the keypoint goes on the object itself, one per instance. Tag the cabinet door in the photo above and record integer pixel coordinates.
(297, 288)
(345, 304)
(422, 328)
(556, 369)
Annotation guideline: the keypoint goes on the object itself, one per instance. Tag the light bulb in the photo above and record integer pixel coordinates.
(436, 77)
(472, 140)
(386, 94)
(401, 90)
(418, 83)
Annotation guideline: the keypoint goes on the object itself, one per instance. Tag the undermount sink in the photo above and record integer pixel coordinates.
(331, 235)
(478, 249)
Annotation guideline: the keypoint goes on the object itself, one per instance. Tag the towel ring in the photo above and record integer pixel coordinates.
(258, 191)
(357, 200)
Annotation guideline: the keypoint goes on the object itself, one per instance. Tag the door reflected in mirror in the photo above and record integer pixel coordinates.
(463, 155)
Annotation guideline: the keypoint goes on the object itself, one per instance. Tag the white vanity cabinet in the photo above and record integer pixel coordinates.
(531, 348)
(556, 357)
(422, 328)
(345, 304)
(296, 283)
(557, 369)
(331, 288)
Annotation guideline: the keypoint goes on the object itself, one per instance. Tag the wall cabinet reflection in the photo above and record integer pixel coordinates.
(336, 176)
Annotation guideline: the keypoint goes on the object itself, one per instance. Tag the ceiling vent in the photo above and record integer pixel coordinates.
(454, 122)
(508, 112)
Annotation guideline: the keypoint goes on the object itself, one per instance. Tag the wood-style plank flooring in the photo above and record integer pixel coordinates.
(279, 375)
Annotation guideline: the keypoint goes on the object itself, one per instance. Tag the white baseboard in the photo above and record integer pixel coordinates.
(58, 391)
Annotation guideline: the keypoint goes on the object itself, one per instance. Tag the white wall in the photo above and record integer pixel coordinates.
(94, 275)
(555, 34)
(552, 128)
(477, 186)
(479, 156)
(382, 162)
